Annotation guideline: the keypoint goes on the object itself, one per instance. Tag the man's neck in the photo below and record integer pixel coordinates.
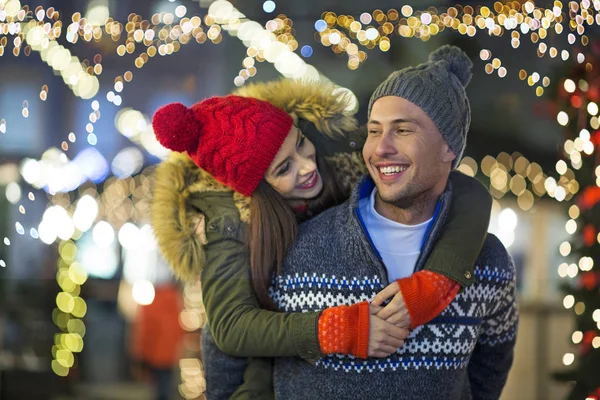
(416, 211)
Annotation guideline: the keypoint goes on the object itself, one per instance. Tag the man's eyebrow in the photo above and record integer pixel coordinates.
(397, 121)
(405, 120)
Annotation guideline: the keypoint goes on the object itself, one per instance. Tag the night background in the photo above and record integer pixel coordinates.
(78, 259)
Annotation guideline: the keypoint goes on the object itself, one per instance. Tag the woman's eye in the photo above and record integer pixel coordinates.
(302, 141)
(284, 170)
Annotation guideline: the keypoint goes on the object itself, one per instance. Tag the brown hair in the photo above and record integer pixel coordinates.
(273, 227)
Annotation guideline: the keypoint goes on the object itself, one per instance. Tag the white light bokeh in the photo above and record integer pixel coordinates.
(568, 359)
(85, 213)
(99, 261)
(562, 118)
(66, 229)
(507, 220)
(97, 12)
(104, 234)
(128, 162)
(143, 292)
(569, 301)
(129, 236)
(13, 192)
(47, 233)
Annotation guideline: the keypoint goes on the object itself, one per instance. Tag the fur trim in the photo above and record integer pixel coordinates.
(179, 228)
(348, 168)
(313, 101)
(242, 203)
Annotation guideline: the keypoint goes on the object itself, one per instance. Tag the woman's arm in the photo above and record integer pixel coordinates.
(241, 328)
(462, 238)
(420, 297)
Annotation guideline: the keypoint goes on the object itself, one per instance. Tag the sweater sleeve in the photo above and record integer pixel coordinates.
(239, 326)
(493, 354)
(462, 238)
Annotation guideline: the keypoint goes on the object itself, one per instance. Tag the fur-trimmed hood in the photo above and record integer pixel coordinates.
(179, 227)
(320, 103)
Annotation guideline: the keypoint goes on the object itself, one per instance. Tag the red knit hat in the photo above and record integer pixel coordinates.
(233, 138)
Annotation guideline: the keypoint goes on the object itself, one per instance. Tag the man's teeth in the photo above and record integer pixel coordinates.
(392, 170)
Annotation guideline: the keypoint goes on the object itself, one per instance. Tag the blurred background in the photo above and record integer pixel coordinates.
(83, 288)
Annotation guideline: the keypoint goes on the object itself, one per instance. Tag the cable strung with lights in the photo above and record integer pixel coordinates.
(344, 33)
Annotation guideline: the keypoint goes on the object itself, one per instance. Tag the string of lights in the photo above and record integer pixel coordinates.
(371, 30)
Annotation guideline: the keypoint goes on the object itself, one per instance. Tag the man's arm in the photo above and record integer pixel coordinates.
(493, 354)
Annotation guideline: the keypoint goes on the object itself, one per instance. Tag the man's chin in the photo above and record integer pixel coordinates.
(389, 196)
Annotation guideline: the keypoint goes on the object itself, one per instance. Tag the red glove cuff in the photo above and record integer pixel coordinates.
(345, 330)
(426, 294)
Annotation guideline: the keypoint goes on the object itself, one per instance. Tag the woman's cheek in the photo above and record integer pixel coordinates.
(291, 185)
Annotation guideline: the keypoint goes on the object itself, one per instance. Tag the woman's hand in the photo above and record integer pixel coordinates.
(395, 312)
(384, 337)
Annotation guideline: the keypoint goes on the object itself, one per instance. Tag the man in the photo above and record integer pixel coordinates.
(418, 121)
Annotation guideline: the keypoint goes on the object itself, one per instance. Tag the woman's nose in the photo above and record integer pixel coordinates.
(307, 166)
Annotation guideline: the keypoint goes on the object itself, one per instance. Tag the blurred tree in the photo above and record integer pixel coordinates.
(576, 107)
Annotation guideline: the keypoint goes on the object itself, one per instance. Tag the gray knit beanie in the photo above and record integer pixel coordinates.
(438, 88)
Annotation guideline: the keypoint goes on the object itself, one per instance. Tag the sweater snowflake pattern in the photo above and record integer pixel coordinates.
(464, 353)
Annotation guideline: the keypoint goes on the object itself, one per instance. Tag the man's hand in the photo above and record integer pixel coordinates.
(395, 312)
(384, 338)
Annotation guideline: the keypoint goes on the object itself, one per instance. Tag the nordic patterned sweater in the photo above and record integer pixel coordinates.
(464, 353)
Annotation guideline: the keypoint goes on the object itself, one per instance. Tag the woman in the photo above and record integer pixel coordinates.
(257, 175)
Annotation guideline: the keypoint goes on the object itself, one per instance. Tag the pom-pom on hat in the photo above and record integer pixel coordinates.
(438, 88)
(233, 138)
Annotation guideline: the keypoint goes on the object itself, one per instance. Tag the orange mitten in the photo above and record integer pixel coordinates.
(427, 294)
(345, 330)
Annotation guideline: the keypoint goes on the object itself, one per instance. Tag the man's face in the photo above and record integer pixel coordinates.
(405, 153)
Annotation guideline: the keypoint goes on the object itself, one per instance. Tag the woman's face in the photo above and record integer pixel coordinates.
(293, 173)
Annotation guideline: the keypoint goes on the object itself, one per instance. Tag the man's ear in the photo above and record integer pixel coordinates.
(448, 155)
